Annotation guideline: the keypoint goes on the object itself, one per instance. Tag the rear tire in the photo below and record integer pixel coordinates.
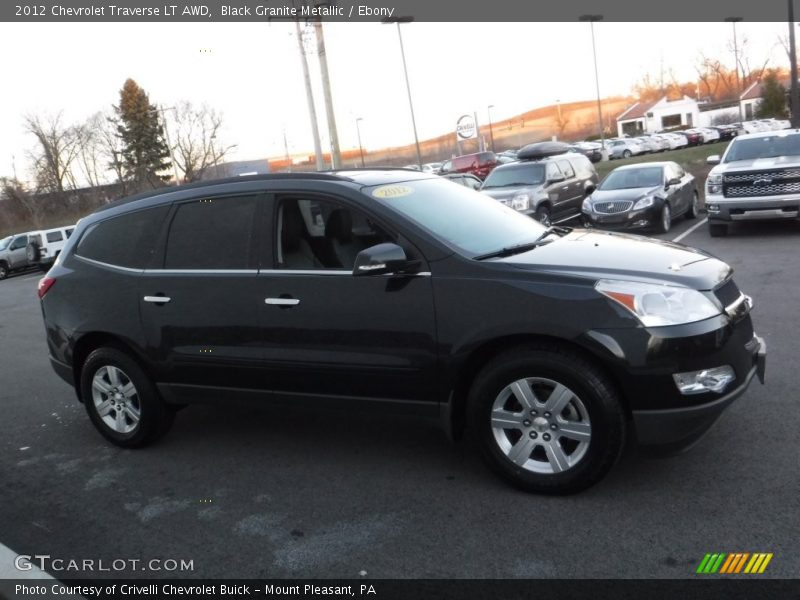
(121, 400)
(717, 229)
(563, 450)
(4, 270)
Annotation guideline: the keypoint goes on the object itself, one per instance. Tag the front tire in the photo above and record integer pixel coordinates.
(665, 219)
(626, 154)
(546, 419)
(694, 207)
(4, 270)
(543, 216)
(121, 400)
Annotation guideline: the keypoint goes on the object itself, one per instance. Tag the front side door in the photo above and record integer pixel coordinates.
(329, 333)
(17, 252)
(199, 301)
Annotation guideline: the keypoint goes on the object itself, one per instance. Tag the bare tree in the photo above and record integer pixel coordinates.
(197, 145)
(19, 202)
(93, 156)
(57, 150)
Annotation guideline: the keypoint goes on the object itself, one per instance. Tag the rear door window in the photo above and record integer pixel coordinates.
(55, 236)
(212, 234)
(566, 169)
(125, 241)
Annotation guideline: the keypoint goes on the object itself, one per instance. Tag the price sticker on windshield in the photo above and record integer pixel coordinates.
(392, 191)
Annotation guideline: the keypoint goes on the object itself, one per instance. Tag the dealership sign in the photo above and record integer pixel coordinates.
(465, 127)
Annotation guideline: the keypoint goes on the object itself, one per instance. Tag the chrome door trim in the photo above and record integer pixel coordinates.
(282, 301)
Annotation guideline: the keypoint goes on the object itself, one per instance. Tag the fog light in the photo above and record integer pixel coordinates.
(712, 208)
(707, 380)
(642, 223)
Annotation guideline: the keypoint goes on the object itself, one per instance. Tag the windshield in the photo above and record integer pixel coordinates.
(764, 147)
(624, 179)
(470, 221)
(526, 174)
(5, 242)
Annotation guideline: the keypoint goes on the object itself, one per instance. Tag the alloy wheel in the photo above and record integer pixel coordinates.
(116, 399)
(541, 425)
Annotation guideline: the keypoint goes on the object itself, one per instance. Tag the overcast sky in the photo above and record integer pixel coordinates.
(251, 73)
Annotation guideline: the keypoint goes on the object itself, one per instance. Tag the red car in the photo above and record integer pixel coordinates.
(479, 164)
(695, 138)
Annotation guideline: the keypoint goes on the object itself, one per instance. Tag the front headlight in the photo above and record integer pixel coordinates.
(521, 202)
(644, 203)
(714, 184)
(659, 305)
(587, 205)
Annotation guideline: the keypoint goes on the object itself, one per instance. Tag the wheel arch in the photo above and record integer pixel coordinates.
(455, 415)
(91, 341)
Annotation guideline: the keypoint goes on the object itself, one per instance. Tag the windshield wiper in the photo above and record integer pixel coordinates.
(511, 250)
(562, 231)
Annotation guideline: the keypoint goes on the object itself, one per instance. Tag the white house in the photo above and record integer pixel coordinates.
(751, 97)
(650, 117)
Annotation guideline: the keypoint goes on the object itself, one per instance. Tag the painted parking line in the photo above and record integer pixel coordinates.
(690, 230)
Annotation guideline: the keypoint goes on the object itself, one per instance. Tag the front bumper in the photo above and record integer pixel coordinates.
(643, 218)
(753, 209)
(676, 429)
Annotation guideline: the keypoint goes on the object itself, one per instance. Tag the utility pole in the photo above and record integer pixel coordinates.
(336, 157)
(733, 21)
(286, 152)
(592, 20)
(312, 111)
(491, 131)
(794, 102)
(360, 147)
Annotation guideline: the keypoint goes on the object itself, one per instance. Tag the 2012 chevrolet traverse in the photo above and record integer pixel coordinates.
(548, 345)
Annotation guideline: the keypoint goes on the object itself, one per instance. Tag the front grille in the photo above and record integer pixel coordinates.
(610, 208)
(727, 293)
(761, 183)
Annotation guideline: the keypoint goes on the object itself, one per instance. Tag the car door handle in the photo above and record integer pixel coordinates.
(157, 299)
(282, 301)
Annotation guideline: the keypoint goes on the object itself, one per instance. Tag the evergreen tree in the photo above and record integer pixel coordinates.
(145, 154)
(773, 98)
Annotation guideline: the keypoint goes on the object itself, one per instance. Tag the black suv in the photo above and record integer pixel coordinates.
(396, 288)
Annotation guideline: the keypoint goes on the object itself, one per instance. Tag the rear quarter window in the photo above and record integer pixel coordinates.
(125, 241)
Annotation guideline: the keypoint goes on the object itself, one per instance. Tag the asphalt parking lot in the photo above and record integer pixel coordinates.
(246, 492)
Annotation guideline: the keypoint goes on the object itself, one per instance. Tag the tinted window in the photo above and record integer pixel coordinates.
(127, 241)
(316, 233)
(55, 236)
(566, 168)
(212, 233)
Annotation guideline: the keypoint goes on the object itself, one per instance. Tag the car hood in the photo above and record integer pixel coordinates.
(759, 163)
(502, 193)
(622, 195)
(607, 255)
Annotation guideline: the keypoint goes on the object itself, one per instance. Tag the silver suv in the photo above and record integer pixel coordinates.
(757, 178)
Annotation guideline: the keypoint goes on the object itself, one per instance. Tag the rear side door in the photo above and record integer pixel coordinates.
(199, 299)
(328, 333)
(573, 188)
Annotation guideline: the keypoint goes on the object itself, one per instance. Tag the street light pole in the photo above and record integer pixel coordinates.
(360, 147)
(733, 21)
(592, 20)
(398, 21)
(491, 131)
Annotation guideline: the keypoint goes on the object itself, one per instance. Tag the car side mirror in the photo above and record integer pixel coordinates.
(380, 260)
(673, 181)
(713, 159)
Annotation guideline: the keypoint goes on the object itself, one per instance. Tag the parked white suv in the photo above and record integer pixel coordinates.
(45, 246)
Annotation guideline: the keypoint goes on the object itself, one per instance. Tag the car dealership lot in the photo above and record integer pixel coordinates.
(277, 492)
